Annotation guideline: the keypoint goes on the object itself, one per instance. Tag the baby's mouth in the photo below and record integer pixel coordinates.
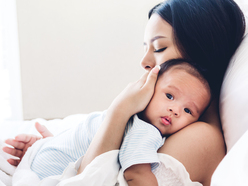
(166, 120)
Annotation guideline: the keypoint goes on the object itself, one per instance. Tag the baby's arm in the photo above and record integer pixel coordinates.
(140, 174)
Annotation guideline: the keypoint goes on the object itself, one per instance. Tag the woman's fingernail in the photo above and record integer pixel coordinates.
(156, 69)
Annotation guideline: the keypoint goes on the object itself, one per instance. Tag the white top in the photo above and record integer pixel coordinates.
(140, 145)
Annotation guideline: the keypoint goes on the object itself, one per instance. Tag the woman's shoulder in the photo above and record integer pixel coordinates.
(199, 147)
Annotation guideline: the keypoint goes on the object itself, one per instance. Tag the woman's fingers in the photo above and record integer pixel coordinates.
(143, 78)
(135, 97)
(152, 77)
(43, 130)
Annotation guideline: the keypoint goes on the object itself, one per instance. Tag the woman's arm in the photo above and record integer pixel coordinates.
(199, 147)
(132, 100)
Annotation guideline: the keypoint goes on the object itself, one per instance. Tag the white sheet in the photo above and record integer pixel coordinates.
(104, 170)
(9, 129)
(231, 171)
(6, 170)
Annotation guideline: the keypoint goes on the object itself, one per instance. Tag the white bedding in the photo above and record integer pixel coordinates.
(170, 171)
(104, 170)
(233, 170)
(10, 129)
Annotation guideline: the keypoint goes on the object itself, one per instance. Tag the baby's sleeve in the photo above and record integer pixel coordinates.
(140, 145)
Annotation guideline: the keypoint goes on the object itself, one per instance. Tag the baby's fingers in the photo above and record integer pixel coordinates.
(43, 130)
(14, 162)
(15, 144)
(27, 138)
(13, 152)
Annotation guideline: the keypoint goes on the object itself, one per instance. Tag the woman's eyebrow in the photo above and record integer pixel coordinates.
(155, 38)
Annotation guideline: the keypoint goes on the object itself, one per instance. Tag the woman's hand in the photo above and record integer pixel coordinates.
(130, 101)
(136, 96)
(22, 142)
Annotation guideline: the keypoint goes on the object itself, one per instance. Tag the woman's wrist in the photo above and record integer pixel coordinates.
(120, 109)
(108, 137)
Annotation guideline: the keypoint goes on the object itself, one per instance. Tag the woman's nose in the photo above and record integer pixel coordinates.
(148, 61)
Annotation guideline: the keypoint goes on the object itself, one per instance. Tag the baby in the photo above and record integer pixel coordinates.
(181, 95)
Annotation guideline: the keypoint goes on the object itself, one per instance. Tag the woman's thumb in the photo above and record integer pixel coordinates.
(152, 76)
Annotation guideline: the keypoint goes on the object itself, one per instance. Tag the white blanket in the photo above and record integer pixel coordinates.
(6, 170)
(104, 170)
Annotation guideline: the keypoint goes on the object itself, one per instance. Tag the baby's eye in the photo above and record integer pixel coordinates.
(187, 111)
(169, 96)
(160, 50)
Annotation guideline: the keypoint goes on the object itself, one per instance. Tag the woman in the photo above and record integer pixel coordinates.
(207, 32)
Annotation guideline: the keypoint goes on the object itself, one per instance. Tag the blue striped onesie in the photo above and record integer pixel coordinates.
(55, 155)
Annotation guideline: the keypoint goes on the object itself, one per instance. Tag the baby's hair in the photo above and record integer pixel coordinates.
(188, 66)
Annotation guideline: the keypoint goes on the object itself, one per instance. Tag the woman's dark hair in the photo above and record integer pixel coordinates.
(207, 32)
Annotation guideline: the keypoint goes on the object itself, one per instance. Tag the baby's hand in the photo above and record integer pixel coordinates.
(136, 96)
(22, 142)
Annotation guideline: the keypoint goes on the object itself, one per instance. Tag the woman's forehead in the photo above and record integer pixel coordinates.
(156, 26)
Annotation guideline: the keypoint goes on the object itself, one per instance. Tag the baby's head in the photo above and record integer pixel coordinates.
(181, 95)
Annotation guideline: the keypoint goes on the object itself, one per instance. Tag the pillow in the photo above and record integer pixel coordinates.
(234, 96)
(243, 4)
(233, 169)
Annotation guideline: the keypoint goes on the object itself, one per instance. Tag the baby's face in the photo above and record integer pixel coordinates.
(179, 100)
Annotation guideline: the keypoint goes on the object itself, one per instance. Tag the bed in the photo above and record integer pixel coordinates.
(233, 170)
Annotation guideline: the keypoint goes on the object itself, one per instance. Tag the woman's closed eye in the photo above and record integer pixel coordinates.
(187, 111)
(169, 96)
(160, 50)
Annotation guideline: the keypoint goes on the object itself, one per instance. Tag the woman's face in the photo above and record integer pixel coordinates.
(158, 43)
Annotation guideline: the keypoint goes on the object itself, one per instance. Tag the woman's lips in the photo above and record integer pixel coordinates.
(166, 120)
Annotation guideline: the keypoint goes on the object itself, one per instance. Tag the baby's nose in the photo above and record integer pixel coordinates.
(175, 111)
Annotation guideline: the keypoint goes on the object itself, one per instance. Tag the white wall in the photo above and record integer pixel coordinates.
(10, 83)
(77, 55)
